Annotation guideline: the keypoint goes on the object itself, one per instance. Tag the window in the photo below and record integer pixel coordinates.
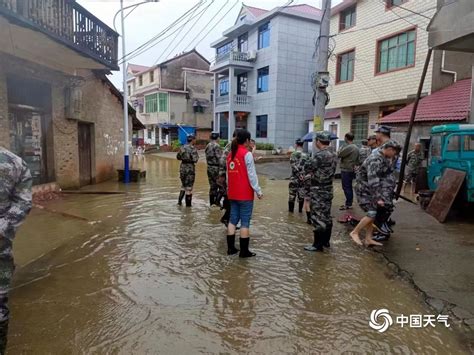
(151, 103)
(347, 18)
(163, 101)
(345, 67)
(435, 146)
(152, 76)
(140, 80)
(396, 52)
(454, 144)
(391, 3)
(264, 36)
(242, 82)
(243, 43)
(262, 124)
(262, 79)
(469, 143)
(212, 95)
(224, 49)
(150, 133)
(224, 87)
(360, 126)
(129, 88)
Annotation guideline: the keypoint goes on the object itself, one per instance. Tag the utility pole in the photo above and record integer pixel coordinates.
(126, 161)
(321, 79)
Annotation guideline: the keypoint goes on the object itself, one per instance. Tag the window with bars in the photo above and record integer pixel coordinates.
(345, 66)
(360, 126)
(396, 52)
(347, 18)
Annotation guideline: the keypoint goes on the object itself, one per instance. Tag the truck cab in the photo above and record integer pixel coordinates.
(452, 146)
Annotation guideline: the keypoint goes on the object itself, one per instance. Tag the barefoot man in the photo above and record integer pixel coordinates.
(374, 188)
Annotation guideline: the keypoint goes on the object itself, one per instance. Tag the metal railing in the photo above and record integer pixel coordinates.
(69, 22)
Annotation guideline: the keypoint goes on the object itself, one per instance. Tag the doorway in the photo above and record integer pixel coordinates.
(85, 154)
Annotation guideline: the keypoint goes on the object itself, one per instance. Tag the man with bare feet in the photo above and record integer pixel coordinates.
(374, 189)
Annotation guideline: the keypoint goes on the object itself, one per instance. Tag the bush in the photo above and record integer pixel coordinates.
(264, 146)
(223, 143)
(175, 144)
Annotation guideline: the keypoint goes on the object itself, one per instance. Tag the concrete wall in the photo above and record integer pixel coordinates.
(458, 62)
(368, 88)
(172, 74)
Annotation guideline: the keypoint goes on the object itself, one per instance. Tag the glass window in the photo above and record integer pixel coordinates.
(264, 36)
(152, 76)
(150, 133)
(454, 144)
(129, 88)
(262, 79)
(224, 49)
(212, 95)
(151, 103)
(469, 143)
(242, 82)
(360, 126)
(140, 80)
(391, 3)
(347, 18)
(243, 43)
(345, 64)
(224, 87)
(435, 146)
(262, 124)
(163, 98)
(396, 52)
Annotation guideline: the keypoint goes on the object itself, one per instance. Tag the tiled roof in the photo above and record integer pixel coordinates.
(332, 114)
(450, 104)
(306, 9)
(135, 68)
(255, 11)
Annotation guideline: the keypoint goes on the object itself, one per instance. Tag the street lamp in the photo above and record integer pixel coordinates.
(126, 158)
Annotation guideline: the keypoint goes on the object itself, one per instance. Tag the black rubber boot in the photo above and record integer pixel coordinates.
(189, 198)
(3, 336)
(308, 216)
(181, 196)
(300, 206)
(318, 241)
(225, 218)
(244, 248)
(212, 199)
(291, 206)
(231, 249)
(327, 236)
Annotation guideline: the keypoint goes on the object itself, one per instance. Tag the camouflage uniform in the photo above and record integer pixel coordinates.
(15, 204)
(364, 152)
(222, 183)
(374, 182)
(296, 186)
(213, 157)
(414, 160)
(189, 156)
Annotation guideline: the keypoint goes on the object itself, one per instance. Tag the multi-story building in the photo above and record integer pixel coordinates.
(378, 52)
(172, 96)
(58, 111)
(263, 69)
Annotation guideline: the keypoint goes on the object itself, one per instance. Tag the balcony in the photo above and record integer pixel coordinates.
(240, 103)
(236, 59)
(68, 23)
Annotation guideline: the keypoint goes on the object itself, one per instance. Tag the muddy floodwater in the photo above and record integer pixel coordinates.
(146, 276)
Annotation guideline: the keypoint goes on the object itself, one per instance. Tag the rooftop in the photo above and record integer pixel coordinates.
(450, 104)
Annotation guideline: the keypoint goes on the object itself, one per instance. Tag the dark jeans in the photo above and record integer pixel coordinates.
(347, 177)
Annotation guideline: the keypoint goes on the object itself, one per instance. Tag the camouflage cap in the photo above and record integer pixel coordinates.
(384, 130)
(392, 144)
(215, 135)
(299, 142)
(323, 136)
(190, 137)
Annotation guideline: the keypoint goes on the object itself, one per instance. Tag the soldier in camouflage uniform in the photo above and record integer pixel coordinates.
(374, 188)
(364, 151)
(15, 204)
(189, 156)
(213, 156)
(321, 167)
(414, 159)
(296, 186)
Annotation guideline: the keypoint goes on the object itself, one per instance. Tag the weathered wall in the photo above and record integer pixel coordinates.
(4, 126)
(459, 62)
(172, 75)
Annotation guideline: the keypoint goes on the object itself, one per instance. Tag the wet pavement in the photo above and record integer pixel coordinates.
(145, 276)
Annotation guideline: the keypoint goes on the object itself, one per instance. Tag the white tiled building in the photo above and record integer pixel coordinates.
(263, 73)
(379, 49)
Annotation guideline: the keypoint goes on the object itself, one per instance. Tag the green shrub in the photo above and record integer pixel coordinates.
(265, 146)
(223, 143)
(175, 144)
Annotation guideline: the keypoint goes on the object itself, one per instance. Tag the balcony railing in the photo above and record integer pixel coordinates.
(239, 100)
(233, 56)
(222, 100)
(68, 22)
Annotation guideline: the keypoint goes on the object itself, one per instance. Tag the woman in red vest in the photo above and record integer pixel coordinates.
(242, 182)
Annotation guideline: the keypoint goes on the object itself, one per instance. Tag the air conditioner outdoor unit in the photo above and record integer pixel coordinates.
(252, 55)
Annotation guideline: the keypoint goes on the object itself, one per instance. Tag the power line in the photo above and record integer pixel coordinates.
(413, 12)
(403, 18)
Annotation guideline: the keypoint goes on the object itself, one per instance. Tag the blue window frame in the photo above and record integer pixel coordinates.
(224, 49)
(264, 36)
(262, 79)
(224, 87)
(262, 126)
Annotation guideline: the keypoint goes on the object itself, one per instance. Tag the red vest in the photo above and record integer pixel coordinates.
(238, 184)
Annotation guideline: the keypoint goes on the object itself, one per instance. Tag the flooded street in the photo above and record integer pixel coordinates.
(146, 276)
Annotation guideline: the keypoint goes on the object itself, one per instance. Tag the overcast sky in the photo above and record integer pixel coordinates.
(148, 20)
